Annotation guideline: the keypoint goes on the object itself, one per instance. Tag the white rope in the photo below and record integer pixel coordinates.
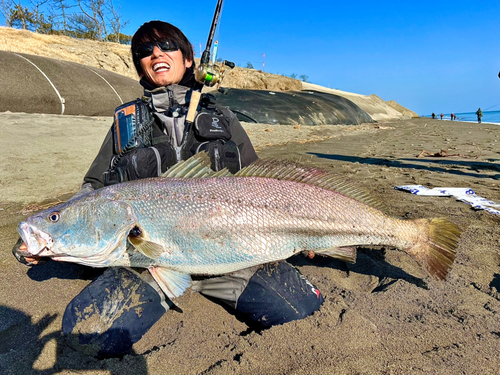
(112, 88)
(57, 92)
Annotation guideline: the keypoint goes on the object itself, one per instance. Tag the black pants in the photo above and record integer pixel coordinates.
(271, 294)
(119, 307)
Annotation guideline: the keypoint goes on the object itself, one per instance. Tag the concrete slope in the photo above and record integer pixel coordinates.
(292, 107)
(34, 84)
(371, 104)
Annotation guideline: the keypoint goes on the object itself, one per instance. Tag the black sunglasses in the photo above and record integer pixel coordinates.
(146, 49)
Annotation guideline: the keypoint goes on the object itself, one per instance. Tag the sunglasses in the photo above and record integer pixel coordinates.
(146, 49)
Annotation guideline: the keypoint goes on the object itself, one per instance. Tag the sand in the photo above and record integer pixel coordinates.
(382, 315)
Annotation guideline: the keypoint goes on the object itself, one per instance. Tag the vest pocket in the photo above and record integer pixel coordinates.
(223, 154)
(140, 163)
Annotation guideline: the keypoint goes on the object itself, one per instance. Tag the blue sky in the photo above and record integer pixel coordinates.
(430, 56)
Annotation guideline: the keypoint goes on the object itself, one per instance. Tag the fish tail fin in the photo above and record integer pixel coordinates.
(435, 248)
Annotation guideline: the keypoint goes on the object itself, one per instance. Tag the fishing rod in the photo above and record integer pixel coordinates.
(493, 106)
(208, 74)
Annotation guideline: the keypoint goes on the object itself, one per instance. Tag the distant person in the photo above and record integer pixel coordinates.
(442, 116)
(479, 114)
(433, 115)
(452, 116)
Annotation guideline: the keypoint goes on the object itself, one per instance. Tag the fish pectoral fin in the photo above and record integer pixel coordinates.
(347, 253)
(172, 283)
(150, 249)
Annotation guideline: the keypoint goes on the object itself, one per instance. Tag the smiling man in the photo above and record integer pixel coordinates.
(161, 62)
(148, 136)
(153, 131)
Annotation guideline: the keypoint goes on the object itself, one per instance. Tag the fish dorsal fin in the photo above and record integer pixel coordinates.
(173, 283)
(291, 171)
(197, 166)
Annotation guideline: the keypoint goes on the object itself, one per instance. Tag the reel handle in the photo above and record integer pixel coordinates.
(229, 64)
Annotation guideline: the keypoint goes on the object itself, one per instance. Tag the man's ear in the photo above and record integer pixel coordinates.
(188, 63)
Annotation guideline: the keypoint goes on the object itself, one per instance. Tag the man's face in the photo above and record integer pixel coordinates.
(164, 68)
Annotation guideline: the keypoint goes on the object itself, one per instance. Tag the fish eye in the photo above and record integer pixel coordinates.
(54, 217)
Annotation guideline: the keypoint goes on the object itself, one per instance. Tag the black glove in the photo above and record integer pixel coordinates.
(22, 259)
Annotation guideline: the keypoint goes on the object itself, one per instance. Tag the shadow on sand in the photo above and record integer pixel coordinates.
(432, 165)
(24, 349)
(369, 262)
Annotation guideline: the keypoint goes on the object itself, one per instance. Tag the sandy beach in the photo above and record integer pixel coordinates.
(382, 315)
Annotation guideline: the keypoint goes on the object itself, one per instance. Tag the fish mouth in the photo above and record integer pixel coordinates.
(38, 242)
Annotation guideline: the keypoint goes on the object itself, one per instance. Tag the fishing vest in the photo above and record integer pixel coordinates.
(143, 150)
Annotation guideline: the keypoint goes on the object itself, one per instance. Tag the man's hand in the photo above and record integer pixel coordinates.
(29, 261)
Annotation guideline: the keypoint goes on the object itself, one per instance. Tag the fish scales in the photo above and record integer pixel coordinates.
(260, 219)
(215, 225)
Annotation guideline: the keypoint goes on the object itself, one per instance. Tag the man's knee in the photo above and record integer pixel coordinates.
(278, 293)
(271, 294)
(112, 313)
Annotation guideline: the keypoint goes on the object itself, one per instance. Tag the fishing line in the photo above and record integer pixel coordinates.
(492, 106)
(220, 21)
(215, 49)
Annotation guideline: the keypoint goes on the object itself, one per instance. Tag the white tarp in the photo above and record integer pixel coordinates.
(465, 195)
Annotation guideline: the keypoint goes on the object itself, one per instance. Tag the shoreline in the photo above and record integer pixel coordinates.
(469, 122)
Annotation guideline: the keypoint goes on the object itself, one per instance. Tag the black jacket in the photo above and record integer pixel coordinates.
(102, 162)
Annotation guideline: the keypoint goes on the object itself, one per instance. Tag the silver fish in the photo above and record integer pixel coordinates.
(195, 221)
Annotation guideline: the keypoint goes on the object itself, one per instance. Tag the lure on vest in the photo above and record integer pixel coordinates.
(142, 150)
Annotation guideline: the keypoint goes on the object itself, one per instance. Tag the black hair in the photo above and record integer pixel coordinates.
(156, 31)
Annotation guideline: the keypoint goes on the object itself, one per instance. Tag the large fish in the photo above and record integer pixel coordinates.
(195, 221)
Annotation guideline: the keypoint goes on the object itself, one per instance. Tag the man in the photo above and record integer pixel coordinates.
(116, 309)
(479, 114)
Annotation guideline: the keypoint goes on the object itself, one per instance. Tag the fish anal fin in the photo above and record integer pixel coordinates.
(172, 283)
(149, 249)
(346, 253)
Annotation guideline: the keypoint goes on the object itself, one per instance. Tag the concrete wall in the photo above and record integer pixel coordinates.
(292, 107)
(34, 84)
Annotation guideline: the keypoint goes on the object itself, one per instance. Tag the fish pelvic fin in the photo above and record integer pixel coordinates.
(347, 254)
(435, 250)
(172, 283)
